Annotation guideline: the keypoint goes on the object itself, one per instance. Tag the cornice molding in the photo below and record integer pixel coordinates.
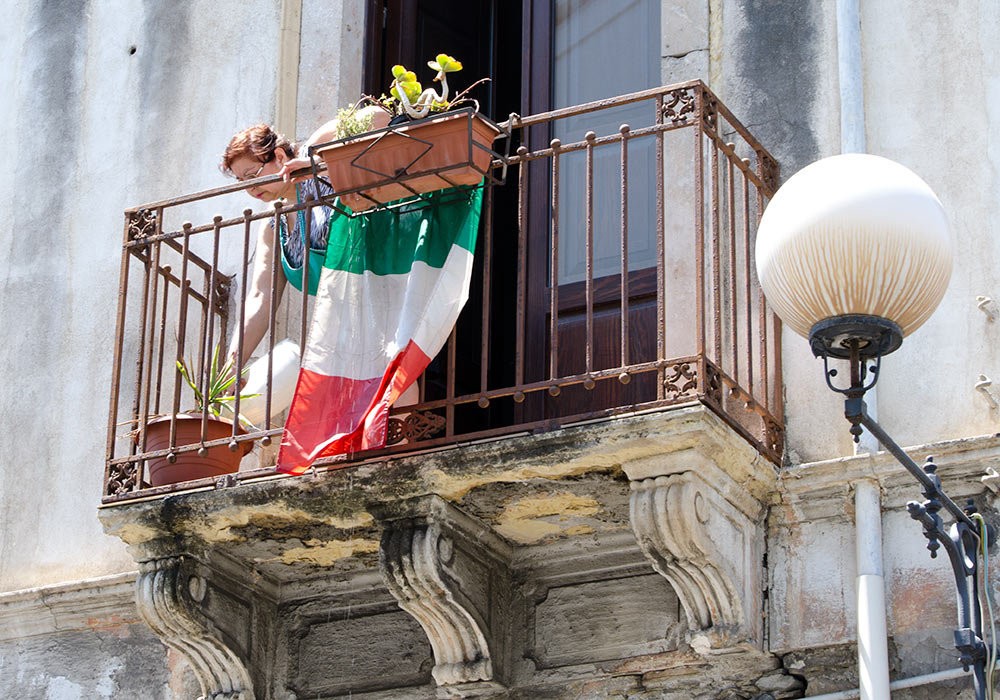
(95, 603)
(963, 460)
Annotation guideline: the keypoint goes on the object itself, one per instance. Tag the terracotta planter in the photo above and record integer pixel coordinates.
(189, 466)
(426, 155)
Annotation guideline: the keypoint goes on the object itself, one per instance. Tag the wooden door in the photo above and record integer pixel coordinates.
(583, 51)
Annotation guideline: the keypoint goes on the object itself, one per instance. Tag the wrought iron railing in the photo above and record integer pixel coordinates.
(614, 274)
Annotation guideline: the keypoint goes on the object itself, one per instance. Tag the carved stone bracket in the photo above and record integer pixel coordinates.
(703, 533)
(168, 596)
(449, 572)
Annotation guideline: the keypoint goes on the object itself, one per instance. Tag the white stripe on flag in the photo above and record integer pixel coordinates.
(362, 310)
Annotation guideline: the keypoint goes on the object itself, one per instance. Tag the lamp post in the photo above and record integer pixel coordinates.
(853, 253)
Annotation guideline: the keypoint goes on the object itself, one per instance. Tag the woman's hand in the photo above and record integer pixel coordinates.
(294, 164)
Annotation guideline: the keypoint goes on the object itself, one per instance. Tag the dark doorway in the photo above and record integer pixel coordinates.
(485, 35)
(544, 55)
(485, 40)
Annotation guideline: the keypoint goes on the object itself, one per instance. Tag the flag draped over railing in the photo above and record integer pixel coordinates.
(392, 286)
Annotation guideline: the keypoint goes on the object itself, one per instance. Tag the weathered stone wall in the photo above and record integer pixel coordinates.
(119, 661)
(113, 105)
(934, 105)
(84, 639)
(931, 104)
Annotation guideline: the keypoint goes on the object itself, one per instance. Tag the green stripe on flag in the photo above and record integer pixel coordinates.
(388, 242)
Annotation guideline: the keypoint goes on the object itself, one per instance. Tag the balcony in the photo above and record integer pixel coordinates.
(554, 333)
(602, 429)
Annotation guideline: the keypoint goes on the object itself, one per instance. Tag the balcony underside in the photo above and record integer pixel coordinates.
(525, 533)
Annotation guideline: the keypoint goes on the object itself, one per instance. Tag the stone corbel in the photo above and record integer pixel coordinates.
(448, 571)
(169, 596)
(703, 532)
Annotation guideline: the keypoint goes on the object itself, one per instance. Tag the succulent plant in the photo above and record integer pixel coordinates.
(220, 380)
(407, 96)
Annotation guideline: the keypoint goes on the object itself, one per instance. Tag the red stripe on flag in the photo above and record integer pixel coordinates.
(336, 415)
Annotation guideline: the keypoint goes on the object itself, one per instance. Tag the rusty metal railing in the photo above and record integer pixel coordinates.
(614, 274)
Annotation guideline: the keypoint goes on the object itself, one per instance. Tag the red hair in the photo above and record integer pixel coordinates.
(258, 142)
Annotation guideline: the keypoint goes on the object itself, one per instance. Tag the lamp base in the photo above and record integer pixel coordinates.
(876, 336)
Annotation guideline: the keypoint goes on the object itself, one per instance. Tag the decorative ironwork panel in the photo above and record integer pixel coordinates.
(122, 479)
(679, 105)
(141, 223)
(681, 380)
(416, 426)
(713, 383)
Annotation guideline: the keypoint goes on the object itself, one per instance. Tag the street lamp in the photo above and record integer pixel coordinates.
(853, 253)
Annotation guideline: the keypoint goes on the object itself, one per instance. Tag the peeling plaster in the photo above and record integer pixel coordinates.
(454, 488)
(219, 526)
(62, 688)
(134, 533)
(319, 553)
(554, 504)
(520, 521)
(528, 531)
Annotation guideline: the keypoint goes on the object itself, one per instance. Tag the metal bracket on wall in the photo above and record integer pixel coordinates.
(983, 385)
(987, 306)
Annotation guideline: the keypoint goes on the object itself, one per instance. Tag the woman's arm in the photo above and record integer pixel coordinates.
(258, 301)
(328, 132)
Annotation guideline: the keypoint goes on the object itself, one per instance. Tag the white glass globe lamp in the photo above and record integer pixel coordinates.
(854, 252)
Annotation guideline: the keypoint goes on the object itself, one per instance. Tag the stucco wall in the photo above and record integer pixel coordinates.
(932, 95)
(90, 128)
(934, 105)
(329, 60)
(121, 661)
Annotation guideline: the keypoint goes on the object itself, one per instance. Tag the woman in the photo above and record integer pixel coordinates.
(381, 328)
(260, 151)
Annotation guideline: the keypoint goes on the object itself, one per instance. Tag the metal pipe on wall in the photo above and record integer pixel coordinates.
(852, 128)
(849, 69)
(287, 88)
(873, 651)
(914, 682)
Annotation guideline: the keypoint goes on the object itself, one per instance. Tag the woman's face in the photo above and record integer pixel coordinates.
(248, 168)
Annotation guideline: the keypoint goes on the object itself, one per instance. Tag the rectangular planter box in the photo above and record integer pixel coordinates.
(411, 158)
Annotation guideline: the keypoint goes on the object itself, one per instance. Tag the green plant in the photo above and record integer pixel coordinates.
(351, 122)
(220, 381)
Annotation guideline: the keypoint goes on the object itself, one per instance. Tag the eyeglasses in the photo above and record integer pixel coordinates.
(245, 177)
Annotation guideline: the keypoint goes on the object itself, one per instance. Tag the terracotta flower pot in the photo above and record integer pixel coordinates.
(189, 466)
(427, 155)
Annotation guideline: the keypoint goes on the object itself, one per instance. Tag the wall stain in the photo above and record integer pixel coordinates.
(772, 72)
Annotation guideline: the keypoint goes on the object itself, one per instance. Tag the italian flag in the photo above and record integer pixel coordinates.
(391, 288)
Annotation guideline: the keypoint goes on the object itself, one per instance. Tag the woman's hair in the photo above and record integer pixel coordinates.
(258, 142)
